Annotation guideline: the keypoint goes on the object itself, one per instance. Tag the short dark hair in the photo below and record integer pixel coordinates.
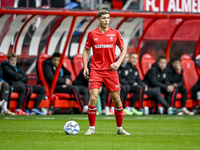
(175, 58)
(160, 57)
(133, 53)
(102, 12)
(56, 54)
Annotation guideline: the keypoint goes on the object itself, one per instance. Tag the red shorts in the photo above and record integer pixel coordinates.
(112, 83)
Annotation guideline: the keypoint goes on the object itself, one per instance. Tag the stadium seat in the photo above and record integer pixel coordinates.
(77, 64)
(67, 64)
(146, 63)
(190, 75)
(59, 100)
(117, 4)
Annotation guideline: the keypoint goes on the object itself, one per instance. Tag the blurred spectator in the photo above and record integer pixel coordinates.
(16, 77)
(196, 87)
(123, 72)
(156, 77)
(175, 76)
(64, 81)
(150, 92)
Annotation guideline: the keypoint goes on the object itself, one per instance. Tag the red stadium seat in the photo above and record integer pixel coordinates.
(146, 63)
(2, 57)
(190, 75)
(77, 63)
(68, 65)
(60, 100)
(117, 4)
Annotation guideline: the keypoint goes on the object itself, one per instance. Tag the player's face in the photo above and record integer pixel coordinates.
(55, 61)
(177, 64)
(104, 20)
(12, 61)
(133, 59)
(162, 63)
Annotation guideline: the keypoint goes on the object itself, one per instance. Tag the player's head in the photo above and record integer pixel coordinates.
(103, 17)
(133, 58)
(55, 58)
(176, 62)
(162, 62)
(12, 59)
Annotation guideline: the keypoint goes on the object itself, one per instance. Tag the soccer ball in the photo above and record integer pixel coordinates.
(71, 128)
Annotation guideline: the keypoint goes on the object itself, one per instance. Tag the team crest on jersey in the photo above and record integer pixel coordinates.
(96, 39)
(111, 38)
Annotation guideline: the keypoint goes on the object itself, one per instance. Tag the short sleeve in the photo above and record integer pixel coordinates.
(120, 42)
(88, 41)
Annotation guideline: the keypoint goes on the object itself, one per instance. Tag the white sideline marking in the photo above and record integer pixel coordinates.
(12, 118)
(102, 132)
(45, 118)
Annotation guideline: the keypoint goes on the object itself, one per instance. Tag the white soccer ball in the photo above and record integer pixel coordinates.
(71, 128)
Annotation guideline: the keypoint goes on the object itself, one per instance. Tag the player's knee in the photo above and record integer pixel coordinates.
(93, 98)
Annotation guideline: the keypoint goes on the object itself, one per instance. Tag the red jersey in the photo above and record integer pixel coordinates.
(103, 46)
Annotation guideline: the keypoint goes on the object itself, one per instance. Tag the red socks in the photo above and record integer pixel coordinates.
(92, 110)
(119, 116)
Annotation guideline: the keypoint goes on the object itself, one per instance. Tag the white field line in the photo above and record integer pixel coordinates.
(103, 118)
(47, 131)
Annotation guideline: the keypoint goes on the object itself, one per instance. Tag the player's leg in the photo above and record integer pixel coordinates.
(113, 87)
(118, 112)
(92, 110)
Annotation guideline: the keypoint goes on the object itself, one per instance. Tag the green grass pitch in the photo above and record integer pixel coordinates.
(153, 132)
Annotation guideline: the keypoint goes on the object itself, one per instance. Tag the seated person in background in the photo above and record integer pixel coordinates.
(4, 94)
(16, 77)
(123, 72)
(175, 77)
(64, 81)
(196, 87)
(156, 78)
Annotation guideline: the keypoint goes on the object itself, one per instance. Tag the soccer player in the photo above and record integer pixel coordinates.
(103, 41)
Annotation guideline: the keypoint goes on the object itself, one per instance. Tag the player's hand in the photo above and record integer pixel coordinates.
(68, 81)
(170, 88)
(114, 66)
(86, 73)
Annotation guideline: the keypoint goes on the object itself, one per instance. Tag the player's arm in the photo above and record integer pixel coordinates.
(85, 62)
(115, 66)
